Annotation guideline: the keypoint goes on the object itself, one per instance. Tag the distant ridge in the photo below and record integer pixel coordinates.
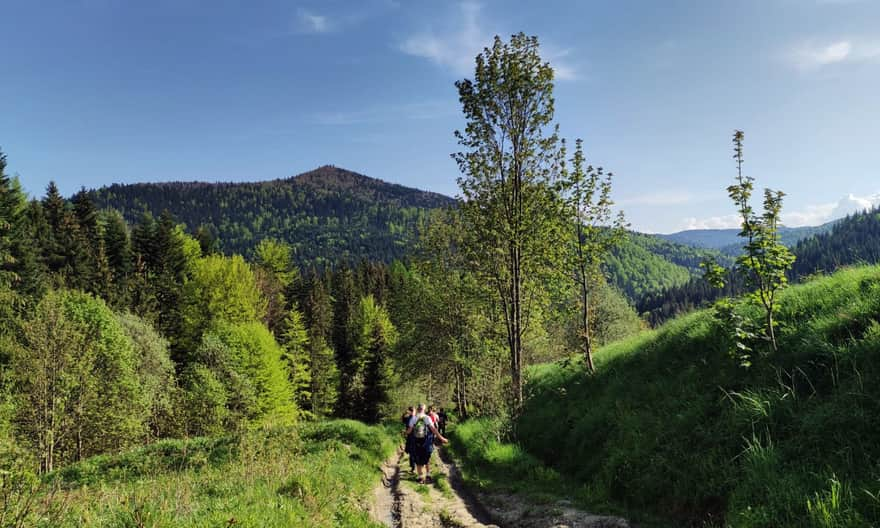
(330, 214)
(326, 214)
(728, 241)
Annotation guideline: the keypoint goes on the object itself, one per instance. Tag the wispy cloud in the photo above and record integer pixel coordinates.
(310, 22)
(456, 47)
(810, 215)
(814, 55)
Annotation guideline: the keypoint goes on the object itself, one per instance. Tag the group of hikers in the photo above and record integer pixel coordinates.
(425, 428)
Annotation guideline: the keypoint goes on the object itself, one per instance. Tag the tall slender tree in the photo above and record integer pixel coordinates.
(596, 232)
(345, 299)
(509, 162)
(765, 260)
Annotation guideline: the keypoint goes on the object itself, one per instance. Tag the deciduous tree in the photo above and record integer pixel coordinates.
(509, 164)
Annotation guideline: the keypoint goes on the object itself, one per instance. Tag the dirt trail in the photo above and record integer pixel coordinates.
(402, 503)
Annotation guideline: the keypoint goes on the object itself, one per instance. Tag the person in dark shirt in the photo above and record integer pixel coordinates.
(442, 424)
(408, 442)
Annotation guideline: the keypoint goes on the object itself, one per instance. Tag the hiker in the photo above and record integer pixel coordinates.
(407, 446)
(423, 430)
(443, 419)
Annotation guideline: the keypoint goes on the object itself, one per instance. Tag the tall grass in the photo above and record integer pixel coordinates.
(672, 426)
(315, 474)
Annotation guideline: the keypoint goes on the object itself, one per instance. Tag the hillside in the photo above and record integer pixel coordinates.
(314, 474)
(727, 240)
(672, 426)
(852, 240)
(645, 265)
(848, 241)
(331, 213)
(326, 214)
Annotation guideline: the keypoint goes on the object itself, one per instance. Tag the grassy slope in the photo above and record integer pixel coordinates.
(671, 427)
(315, 474)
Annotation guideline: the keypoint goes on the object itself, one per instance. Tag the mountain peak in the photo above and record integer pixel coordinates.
(331, 176)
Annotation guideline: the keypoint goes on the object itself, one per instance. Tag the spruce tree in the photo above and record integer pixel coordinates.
(322, 361)
(117, 245)
(345, 299)
(295, 342)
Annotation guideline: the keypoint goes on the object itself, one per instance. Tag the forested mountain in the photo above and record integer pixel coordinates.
(727, 240)
(645, 265)
(852, 240)
(848, 241)
(326, 215)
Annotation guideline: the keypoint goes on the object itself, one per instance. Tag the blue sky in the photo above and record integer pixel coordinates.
(101, 91)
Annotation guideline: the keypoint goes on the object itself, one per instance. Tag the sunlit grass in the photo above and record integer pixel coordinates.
(315, 474)
(672, 426)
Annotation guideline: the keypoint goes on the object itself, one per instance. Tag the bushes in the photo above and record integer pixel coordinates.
(239, 376)
(73, 376)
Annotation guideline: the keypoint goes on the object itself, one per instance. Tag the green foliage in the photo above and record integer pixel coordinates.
(326, 215)
(312, 475)
(374, 337)
(155, 372)
(325, 377)
(295, 341)
(277, 258)
(851, 240)
(613, 317)
(256, 361)
(12, 209)
(220, 289)
(322, 361)
(589, 200)
(511, 209)
(739, 327)
(75, 379)
(205, 401)
(670, 426)
(765, 260)
(21, 490)
(275, 274)
(449, 338)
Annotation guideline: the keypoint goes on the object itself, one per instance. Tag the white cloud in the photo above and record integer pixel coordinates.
(309, 22)
(455, 50)
(819, 214)
(457, 47)
(812, 55)
(854, 204)
(713, 222)
(810, 215)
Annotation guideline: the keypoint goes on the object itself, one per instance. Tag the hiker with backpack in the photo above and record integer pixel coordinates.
(423, 431)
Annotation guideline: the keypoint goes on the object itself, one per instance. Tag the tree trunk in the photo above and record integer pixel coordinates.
(586, 339)
(585, 335)
(516, 337)
(770, 332)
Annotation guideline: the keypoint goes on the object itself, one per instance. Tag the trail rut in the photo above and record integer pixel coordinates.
(399, 502)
